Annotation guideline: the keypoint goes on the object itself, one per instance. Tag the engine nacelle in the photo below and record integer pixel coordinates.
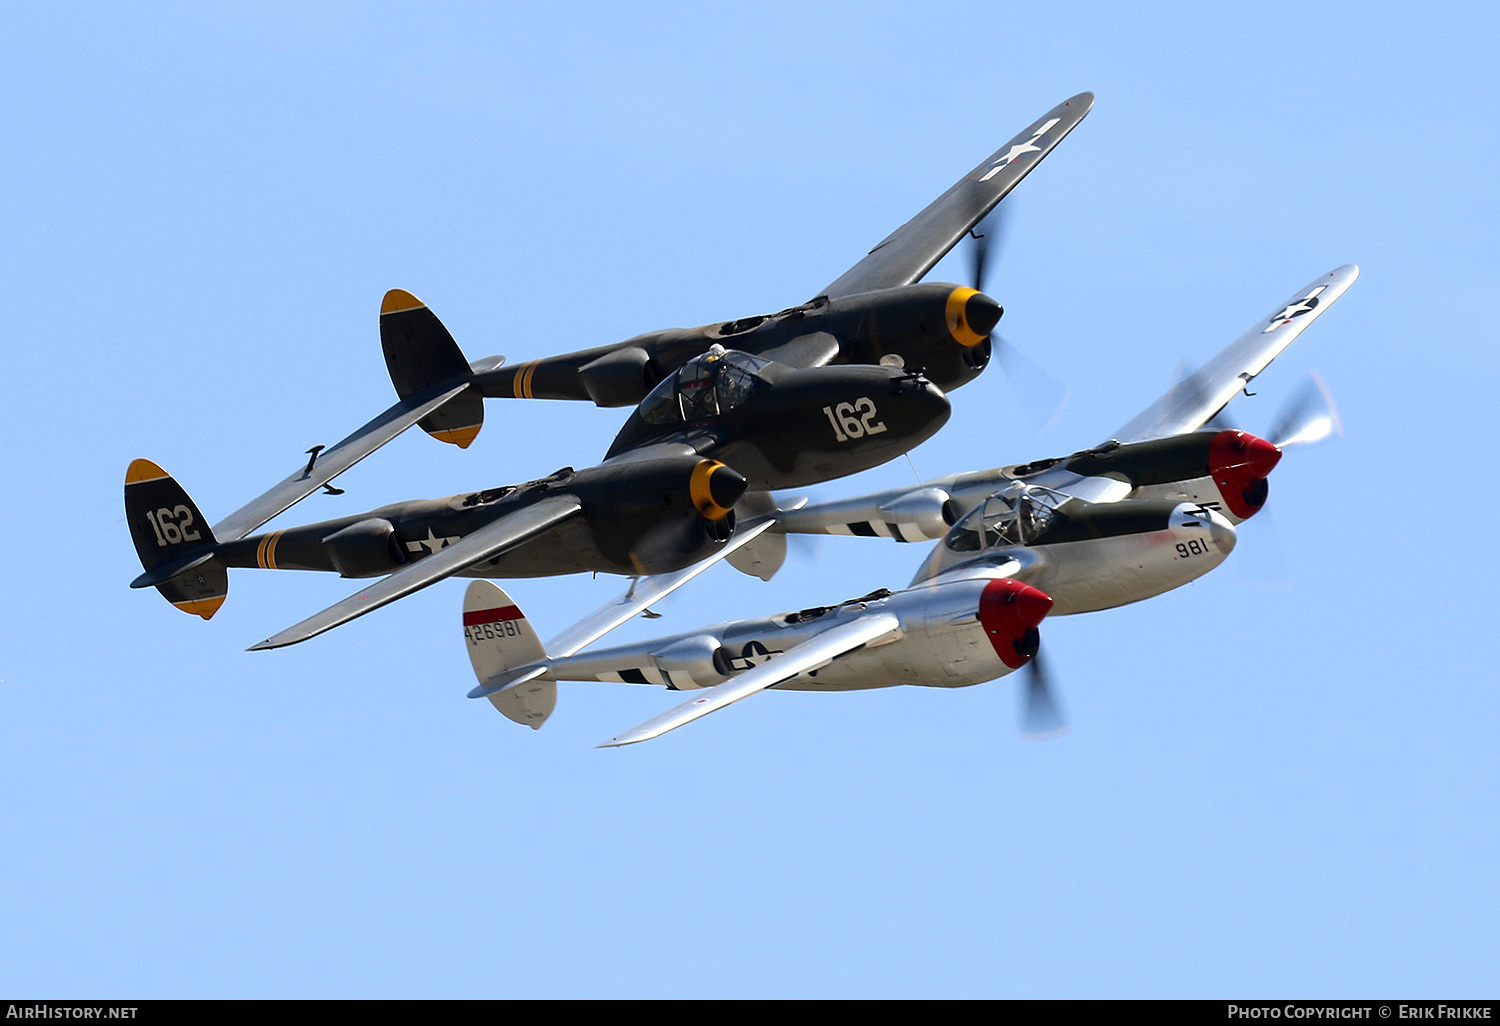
(657, 516)
(368, 548)
(927, 512)
(1010, 611)
(696, 662)
(620, 378)
(1222, 470)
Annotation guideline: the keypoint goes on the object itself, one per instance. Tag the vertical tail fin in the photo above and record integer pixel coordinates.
(174, 542)
(421, 354)
(500, 639)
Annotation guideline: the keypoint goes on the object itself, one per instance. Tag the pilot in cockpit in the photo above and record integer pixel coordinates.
(1015, 515)
(704, 388)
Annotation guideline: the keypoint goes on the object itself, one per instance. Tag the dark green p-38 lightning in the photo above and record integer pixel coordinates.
(725, 414)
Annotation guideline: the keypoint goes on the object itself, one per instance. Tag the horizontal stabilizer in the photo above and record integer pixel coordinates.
(164, 572)
(329, 463)
(506, 680)
(490, 541)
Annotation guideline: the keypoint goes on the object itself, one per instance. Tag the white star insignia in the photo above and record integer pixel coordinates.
(1296, 309)
(1029, 146)
(431, 543)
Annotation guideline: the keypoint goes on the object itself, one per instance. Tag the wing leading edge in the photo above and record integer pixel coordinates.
(493, 539)
(332, 462)
(811, 654)
(909, 252)
(640, 596)
(922, 512)
(1193, 401)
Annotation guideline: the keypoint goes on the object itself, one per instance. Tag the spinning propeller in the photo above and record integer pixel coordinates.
(1041, 716)
(1040, 394)
(1307, 416)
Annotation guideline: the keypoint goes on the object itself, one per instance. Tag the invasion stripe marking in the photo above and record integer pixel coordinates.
(495, 615)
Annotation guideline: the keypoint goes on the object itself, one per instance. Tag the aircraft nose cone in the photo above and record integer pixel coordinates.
(1223, 534)
(715, 488)
(1241, 451)
(726, 486)
(934, 400)
(1260, 455)
(1032, 606)
(918, 409)
(982, 313)
(1013, 606)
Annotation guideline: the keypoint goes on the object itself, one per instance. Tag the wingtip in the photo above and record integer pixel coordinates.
(621, 740)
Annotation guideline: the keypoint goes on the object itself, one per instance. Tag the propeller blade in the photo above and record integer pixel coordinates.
(1264, 559)
(808, 546)
(1041, 716)
(989, 239)
(1309, 416)
(1040, 395)
(662, 546)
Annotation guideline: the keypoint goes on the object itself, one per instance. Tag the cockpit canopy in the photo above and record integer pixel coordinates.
(705, 387)
(1016, 515)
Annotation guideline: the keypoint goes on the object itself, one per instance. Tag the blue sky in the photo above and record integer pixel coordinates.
(1269, 790)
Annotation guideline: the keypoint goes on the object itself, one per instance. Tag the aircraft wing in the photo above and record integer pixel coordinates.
(910, 251)
(817, 651)
(491, 540)
(332, 462)
(1194, 400)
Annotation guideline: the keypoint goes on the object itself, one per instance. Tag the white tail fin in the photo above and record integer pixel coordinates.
(500, 639)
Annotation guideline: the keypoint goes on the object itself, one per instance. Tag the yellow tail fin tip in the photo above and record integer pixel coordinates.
(399, 301)
(461, 437)
(205, 608)
(143, 470)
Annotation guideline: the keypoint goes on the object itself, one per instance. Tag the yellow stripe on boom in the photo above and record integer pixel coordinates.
(522, 383)
(265, 552)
